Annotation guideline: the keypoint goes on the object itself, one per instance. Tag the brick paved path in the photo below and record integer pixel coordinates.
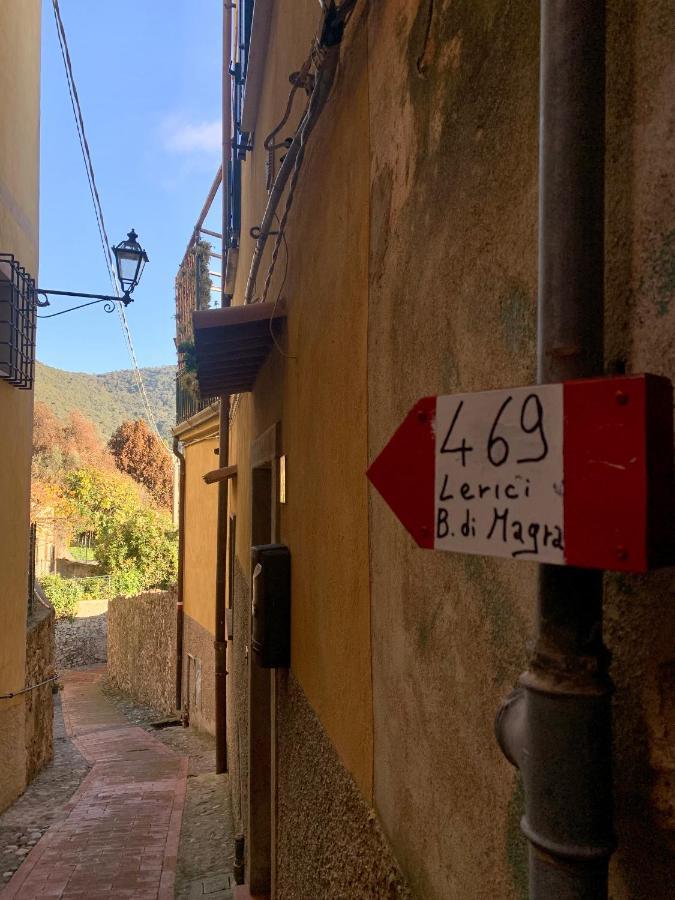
(120, 838)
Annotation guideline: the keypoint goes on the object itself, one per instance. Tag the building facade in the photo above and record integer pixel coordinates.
(198, 436)
(408, 268)
(19, 167)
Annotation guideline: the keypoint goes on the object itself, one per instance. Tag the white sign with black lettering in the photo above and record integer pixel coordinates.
(499, 473)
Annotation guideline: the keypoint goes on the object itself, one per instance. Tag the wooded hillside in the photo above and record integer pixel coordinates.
(109, 399)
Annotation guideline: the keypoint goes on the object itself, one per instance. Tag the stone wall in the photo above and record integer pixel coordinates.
(38, 703)
(75, 568)
(82, 641)
(142, 647)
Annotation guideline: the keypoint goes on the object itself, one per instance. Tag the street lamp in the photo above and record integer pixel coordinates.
(130, 259)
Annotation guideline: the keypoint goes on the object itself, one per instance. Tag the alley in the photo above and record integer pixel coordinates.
(122, 831)
(118, 834)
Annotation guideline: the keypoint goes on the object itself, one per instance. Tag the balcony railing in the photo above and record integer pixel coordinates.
(188, 401)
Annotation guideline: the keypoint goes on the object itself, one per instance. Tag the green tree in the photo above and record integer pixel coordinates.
(135, 544)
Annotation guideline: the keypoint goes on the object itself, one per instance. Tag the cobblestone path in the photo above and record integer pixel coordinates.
(120, 836)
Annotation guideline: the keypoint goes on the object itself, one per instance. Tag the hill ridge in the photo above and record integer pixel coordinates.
(108, 398)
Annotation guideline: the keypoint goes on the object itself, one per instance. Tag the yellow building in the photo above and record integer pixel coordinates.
(198, 436)
(408, 268)
(19, 166)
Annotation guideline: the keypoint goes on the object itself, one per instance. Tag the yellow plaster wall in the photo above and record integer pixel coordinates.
(320, 394)
(19, 161)
(201, 519)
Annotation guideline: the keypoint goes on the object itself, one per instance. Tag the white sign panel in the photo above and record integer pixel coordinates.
(499, 473)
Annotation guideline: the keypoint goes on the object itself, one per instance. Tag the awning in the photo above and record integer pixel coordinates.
(232, 343)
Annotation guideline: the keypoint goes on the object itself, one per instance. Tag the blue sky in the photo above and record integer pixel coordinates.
(148, 76)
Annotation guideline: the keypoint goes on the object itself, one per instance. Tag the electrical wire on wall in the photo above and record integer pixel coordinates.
(98, 211)
(323, 58)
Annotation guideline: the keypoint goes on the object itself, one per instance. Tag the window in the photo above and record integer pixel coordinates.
(17, 323)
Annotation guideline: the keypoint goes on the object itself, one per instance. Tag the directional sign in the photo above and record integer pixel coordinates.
(579, 473)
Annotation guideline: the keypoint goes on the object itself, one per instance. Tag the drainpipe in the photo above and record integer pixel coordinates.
(556, 726)
(181, 551)
(220, 639)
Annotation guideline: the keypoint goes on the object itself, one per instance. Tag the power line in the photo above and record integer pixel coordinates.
(98, 210)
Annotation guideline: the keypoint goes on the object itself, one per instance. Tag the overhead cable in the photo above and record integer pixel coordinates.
(98, 211)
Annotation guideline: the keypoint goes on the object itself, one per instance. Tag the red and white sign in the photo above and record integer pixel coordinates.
(579, 473)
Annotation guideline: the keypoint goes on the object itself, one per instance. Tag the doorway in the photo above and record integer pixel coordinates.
(265, 453)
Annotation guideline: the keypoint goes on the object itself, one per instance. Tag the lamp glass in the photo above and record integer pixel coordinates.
(131, 258)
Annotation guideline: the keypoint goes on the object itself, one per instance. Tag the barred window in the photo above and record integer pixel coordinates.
(17, 323)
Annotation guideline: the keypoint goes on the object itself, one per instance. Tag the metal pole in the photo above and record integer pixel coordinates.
(220, 642)
(221, 635)
(557, 726)
(179, 577)
(226, 146)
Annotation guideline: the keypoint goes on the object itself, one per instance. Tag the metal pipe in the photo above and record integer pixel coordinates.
(215, 234)
(226, 148)
(557, 726)
(180, 616)
(220, 641)
(210, 197)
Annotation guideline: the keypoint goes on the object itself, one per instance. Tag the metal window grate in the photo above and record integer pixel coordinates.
(17, 323)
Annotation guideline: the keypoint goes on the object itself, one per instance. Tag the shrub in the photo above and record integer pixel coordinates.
(135, 544)
(63, 593)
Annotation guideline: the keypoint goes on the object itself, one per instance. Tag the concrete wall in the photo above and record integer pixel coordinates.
(142, 647)
(19, 158)
(39, 706)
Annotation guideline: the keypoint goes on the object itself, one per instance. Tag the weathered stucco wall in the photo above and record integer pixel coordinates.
(19, 160)
(142, 647)
(453, 106)
(426, 155)
(39, 706)
(319, 391)
(201, 521)
(640, 285)
(452, 307)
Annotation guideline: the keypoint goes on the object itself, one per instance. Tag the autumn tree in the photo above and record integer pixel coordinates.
(47, 429)
(83, 443)
(60, 447)
(141, 454)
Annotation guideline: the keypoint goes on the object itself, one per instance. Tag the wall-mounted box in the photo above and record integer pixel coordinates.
(271, 606)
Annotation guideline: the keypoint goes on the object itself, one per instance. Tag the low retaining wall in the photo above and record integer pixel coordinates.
(142, 648)
(38, 703)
